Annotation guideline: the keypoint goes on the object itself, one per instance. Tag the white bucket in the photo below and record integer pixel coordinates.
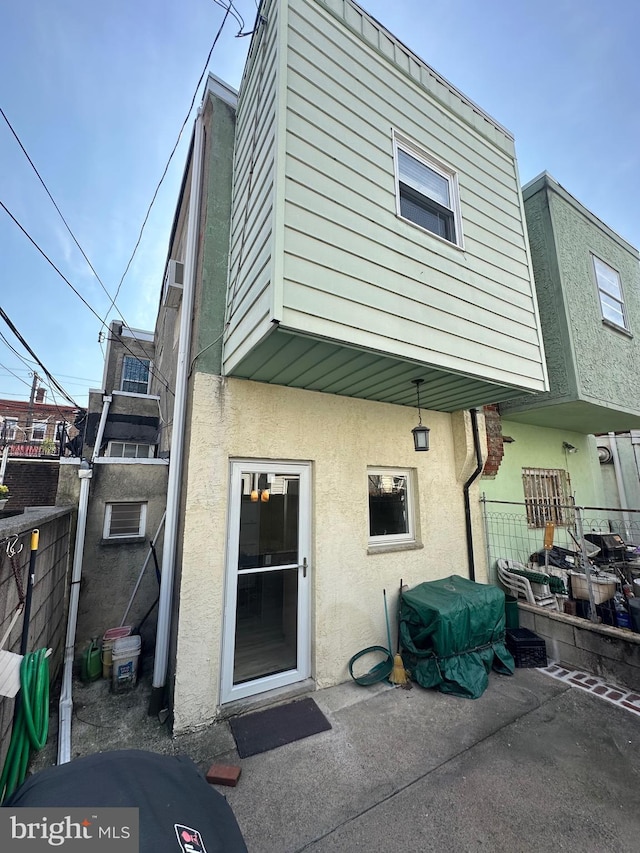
(125, 654)
(108, 640)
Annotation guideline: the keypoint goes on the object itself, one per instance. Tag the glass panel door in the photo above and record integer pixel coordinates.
(266, 630)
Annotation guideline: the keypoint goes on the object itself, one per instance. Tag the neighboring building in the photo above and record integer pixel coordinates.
(35, 428)
(588, 285)
(350, 223)
(128, 486)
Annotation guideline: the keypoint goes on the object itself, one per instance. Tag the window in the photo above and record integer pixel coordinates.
(129, 450)
(547, 496)
(390, 507)
(124, 519)
(135, 374)
(610, 292)
(38, 430)
(427, 193)
(9, 428)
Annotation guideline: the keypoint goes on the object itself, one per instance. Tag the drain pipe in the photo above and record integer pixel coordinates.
(622, 495)
(467, 486)
(65, 705)
(165, 604)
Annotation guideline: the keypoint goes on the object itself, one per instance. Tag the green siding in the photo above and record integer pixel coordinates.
(592, 368)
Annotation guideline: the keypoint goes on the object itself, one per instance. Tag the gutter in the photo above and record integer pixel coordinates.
(165, 604)
(65, 705)
(467, 486)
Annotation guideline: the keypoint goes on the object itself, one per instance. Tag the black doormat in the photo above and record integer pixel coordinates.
(265, 730)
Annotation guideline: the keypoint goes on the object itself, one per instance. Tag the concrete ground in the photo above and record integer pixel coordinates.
(533, 765)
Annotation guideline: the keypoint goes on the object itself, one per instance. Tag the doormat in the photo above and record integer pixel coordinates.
(265, 730)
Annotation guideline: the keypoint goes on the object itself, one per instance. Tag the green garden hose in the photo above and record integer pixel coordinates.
(31, 723)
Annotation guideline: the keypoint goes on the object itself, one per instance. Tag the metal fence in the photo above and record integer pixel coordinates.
(513, 532)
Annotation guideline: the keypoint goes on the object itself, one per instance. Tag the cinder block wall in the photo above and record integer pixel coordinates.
(47, 624)
(31, 482)
(610, 653)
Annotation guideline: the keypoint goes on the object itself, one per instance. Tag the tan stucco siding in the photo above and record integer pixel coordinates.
(340, 437)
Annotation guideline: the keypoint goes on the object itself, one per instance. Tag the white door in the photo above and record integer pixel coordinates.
(266, 641)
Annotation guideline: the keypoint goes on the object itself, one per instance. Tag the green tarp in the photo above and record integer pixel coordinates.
(452, 634)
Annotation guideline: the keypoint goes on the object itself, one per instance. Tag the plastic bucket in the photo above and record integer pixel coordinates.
(108, 640)
(125, 654)
(512, 614)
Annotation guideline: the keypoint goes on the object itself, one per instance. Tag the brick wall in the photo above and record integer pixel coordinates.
(47, 625)
(495, 448)
(31, 482)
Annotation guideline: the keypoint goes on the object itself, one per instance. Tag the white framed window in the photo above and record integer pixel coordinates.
(129, 450)
(610, 293)
(547, 496)
(427, 192)
(9, 429)
(38, 430)
(135, 374)
(124, 519)
(391, 506)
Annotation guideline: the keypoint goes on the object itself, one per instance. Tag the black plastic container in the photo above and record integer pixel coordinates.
(527, 648)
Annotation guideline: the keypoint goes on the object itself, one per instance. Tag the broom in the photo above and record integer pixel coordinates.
(398, 673)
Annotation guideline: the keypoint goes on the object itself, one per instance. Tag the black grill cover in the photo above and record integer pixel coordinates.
(168, 790)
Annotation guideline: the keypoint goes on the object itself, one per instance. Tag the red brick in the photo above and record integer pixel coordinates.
(224, 774)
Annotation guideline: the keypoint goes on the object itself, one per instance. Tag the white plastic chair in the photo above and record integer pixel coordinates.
(521, 587)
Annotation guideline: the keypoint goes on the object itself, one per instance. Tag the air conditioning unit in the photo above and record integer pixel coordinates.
(173, 284)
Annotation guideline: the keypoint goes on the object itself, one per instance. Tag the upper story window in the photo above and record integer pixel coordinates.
(38, 430)
(547, 496)
(135, 374)
(610, 292)
(427, 192)
(9, 428)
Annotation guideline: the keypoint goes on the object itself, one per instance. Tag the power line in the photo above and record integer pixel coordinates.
(68, 227)
(32, 353)
(173, 151)
(82, 299)
(19, 378)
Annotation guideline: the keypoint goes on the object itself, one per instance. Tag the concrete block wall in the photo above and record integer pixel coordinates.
(47, 624)
(610, 653)
(31, 482)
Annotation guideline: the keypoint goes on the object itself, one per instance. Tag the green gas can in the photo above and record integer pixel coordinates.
(91, 662)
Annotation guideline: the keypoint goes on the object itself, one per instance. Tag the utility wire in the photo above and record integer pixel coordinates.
(73, 236)
(82, 299)
(19, 378)
(173, 151)
(51, 378)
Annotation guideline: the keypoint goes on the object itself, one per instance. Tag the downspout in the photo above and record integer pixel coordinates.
(622, 495)
(157, 699)
(467, 486)
(65, 705)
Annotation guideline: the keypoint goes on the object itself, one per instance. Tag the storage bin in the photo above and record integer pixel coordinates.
(527, 648)
(604, 586)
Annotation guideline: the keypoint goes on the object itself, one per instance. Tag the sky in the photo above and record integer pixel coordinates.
(97, 93)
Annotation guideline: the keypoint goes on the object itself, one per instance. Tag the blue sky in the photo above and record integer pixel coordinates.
(98, 92)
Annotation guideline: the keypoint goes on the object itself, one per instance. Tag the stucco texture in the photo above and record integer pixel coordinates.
(340, 437)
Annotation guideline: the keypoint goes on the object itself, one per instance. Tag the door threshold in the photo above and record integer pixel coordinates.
(266, 699)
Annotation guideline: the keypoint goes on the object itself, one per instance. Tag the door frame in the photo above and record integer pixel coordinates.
(228, 691)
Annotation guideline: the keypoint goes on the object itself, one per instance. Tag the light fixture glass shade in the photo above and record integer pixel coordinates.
(420, 437)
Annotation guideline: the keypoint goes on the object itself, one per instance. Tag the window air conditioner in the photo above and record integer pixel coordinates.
(174, 280)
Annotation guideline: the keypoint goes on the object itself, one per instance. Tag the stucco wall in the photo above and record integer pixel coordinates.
(340, 437)
(110, 568)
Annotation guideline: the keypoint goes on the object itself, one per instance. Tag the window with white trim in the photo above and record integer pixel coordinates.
(124, 519)
(427, 192)
(610, 293)
(38, 430)
(135, 374)
(129, 450)
(547, 496)
(9, 428)
(391, 510)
